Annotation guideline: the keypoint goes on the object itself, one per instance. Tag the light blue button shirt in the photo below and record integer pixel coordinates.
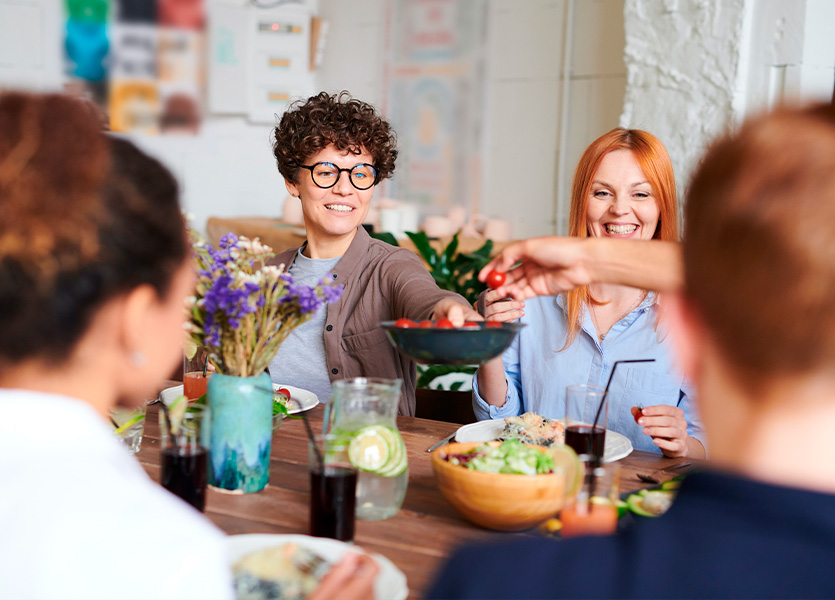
(538, 372)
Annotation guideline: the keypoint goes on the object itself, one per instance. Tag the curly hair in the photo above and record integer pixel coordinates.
(86, 218)
(311, 125)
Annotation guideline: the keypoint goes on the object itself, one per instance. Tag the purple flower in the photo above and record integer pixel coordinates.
(331, 293)
(228, 240)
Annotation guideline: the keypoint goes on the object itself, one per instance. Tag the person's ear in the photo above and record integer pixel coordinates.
(292, 188)
(138, 310)
(687, 331)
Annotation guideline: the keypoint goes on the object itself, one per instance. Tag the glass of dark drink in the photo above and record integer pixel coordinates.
(185, 455)
(333, 489)
(583, 405)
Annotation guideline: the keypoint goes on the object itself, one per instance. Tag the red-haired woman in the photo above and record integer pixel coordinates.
(623, 188)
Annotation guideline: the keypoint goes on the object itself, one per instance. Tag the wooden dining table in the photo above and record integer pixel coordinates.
(417, 539)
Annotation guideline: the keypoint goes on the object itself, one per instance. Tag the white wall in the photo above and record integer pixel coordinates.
(523, 92)
(695, 68)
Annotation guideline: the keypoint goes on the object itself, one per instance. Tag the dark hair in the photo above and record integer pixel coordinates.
(759, 243)
(85, 218)
(311, 125)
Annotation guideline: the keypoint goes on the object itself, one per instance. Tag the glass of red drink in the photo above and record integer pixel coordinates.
(185, 454)
(586, 405)
(593, 511)
(333, 489)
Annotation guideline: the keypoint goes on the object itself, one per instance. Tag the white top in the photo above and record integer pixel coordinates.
(80, 518)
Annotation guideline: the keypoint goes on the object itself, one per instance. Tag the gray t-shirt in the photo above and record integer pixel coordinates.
(300, 360)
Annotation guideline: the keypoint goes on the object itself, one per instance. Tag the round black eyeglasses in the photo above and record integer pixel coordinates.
(325, 175)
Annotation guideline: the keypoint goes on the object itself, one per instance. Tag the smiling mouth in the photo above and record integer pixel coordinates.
(620, 229)
(339, 207)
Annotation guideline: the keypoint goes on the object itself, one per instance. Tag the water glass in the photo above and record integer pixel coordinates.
(333, 488)
(593, 511)
(582, 407)
(129, 424)
(185, 454)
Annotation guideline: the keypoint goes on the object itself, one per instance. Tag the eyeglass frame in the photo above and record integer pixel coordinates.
(339, 174)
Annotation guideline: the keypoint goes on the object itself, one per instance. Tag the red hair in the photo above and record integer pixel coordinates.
(655, 163)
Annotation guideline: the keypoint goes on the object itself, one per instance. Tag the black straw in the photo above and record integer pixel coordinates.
(595, 458)
(167, 421)
(606, 394)
(319, 458)
(205, 365)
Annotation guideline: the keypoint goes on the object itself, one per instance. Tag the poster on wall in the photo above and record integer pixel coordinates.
(435, 74)
(140, 61)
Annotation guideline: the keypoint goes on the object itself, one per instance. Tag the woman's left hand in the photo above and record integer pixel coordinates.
(456, 312)
(668, 429)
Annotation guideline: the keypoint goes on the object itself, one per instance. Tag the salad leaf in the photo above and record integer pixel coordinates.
(511, 456)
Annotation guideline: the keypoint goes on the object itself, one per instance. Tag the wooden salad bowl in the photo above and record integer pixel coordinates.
(503, 501)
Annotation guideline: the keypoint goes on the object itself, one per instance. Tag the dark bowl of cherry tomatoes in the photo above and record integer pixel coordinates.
(439, 343)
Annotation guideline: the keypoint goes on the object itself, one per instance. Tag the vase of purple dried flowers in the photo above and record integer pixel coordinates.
(242, 311)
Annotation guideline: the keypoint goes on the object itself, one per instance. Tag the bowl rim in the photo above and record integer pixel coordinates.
(389, 325)
(439, 463)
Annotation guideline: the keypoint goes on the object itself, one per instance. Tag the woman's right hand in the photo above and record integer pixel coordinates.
(497, 307)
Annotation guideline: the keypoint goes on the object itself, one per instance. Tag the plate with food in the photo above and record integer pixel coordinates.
(281, 567)
(536, 430)
(439, 343)
(299, 400)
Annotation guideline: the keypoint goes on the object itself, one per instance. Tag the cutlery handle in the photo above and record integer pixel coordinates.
(442, 442)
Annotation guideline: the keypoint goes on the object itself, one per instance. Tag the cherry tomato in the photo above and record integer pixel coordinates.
(426, 324)
(284, 392)
(444, 324)
(405, 323)
(638, 414)
(470, 324)
(495, 279)
(493, 324)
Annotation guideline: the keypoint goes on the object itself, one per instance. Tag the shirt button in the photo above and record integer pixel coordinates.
(335, 371)
(623, 323)
(329, 327)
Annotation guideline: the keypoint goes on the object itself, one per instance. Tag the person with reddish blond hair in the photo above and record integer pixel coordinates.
(623, 188)
(752, 319)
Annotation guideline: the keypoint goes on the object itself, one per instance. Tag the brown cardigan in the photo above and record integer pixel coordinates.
(382, 283)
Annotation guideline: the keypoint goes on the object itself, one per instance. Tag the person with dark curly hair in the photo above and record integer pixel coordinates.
(317, 141)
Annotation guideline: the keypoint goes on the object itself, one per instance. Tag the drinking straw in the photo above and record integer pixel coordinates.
(596, 459)
(167, 420)
(319, 458)
(205, 365)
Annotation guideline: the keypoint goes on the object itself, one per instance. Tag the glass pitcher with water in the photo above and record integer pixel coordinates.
(363, 413)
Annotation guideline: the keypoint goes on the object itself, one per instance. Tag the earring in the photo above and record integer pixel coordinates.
(137, 359)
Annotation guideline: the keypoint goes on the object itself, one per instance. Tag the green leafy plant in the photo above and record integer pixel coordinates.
(451, 270)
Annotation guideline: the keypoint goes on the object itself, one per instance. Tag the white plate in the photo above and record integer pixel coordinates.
(301, 400)
(617, 445)
(390, 583)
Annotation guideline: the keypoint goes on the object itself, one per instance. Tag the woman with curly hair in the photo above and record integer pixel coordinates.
(316, 142)
(623, 188)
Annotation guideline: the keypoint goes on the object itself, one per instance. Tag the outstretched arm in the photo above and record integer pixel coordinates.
(553, 265)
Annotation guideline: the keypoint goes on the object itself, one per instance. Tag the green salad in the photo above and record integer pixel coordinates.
(511, 456)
